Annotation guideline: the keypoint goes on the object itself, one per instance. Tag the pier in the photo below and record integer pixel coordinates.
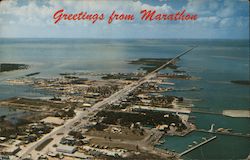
(196, 146)
(205, 112)
(224, 133)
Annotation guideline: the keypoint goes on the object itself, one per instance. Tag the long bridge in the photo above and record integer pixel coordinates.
(172, 60)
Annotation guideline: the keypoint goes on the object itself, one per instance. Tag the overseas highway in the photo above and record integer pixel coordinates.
(29, 150)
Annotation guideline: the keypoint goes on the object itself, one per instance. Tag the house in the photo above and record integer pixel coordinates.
(2, 139)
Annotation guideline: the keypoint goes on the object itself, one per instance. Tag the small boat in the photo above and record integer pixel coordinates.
(162, 141)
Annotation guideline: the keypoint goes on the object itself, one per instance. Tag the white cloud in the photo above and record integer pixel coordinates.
(16, 19)
(33, 14)
(228, 9)
(213, 13)
(208, 21)
(30, 14)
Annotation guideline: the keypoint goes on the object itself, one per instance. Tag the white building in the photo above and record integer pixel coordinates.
(66, 149)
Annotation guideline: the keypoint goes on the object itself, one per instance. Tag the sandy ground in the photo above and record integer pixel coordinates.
(237, 113)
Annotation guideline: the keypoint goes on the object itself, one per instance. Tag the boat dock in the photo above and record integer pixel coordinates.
(196, 146)
(205, 112)
(224, 133)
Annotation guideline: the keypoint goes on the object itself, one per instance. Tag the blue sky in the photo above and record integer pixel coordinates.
(218, 19)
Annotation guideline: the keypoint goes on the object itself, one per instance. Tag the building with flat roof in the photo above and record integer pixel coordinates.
(66, 149)
(11, 150)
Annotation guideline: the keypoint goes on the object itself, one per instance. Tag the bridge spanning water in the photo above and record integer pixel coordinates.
(172, 60)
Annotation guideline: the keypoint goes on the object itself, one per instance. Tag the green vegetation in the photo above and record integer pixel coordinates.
(33, 102)
(6, 67)
(145, 118)
(44, 144)
(241, 82)
(153, 63)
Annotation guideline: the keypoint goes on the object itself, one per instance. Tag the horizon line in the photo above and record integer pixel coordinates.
(93, 38)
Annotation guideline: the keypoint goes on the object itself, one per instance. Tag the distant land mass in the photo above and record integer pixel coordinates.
(242, 82)
(6, 67)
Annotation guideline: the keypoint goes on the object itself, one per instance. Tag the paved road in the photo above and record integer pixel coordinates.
(30, 149)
